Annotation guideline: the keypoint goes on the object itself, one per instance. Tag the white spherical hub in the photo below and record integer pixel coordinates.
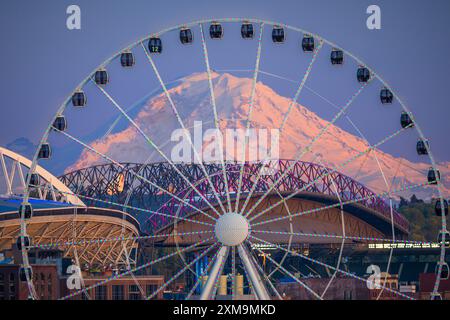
(231, 229)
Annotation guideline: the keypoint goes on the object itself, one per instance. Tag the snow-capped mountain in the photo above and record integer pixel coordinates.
(192, 100)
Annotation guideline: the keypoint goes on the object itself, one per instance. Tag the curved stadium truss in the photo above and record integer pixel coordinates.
(126, 186)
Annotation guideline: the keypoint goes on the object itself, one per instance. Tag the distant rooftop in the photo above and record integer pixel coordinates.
(8, 204)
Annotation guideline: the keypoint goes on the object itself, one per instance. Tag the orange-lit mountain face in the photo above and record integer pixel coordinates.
(193, 102)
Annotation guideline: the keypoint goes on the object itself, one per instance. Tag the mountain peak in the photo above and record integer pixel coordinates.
(192, 100)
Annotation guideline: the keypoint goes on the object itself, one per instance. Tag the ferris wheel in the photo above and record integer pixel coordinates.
(237, 220)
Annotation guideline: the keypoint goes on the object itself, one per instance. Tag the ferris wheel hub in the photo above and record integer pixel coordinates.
(231, 229)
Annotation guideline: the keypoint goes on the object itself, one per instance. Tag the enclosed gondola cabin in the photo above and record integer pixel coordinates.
(337, 57)
(406, 121)
(438, 208)
(79, 99)
(422, 147)
(25, 274)
(35, 180)
(155, 45)
(26, 242)
(60, 123)
(127, 59)
(278, 34)
(25, 211)
(386, 96)
(444, 270)
(308, 43)
(363, 74)
(433, 176)
(215, 30)
(247, 30)
(186, 36)
(444, 237)
(101, 77)
(45, 151)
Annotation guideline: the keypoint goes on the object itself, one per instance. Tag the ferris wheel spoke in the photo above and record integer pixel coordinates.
(391, 250)
(267, 279)
(153, 144)
(406, 243)
(133, 173)
(250, 111)
(306, 212)
(216, 119)
(116, 239)
(179, 273)
(309, 146)
(289, 273)
(186, 132)
(293, 253)
(341, 249)
(143, 266)
(286, 116)
(343, 165)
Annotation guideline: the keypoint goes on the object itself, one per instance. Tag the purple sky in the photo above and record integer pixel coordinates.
(43, 61)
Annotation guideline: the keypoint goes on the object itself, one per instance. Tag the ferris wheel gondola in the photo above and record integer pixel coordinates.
(278, 34)
(337, 56)
(216, 30)
(127, 59)
(247, 30)
(186, 36)
(308, 43)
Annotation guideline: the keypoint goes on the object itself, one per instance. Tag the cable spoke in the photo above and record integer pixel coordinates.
(216, 119)
(252, 100)
(341, 249)
(383, 176)
(266, 277)
(120, 275)
(153, 144)
(179, 273)
(115, 239)
(133, 173)
(124, 206)
(355, 238)
(360, 154)
(289, 274)
(331, 267)
(308, 148)
(186, 132)
(286, 116)
(302, 213)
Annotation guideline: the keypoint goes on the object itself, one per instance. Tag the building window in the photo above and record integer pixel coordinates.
(134, 293)
(100, 293)
(151, 288)
(117, 292)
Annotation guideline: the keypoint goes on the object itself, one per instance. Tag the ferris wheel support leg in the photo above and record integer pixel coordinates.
(256, 281)
(212, 277)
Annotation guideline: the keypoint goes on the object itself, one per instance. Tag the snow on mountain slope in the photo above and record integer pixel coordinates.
(192, 100)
